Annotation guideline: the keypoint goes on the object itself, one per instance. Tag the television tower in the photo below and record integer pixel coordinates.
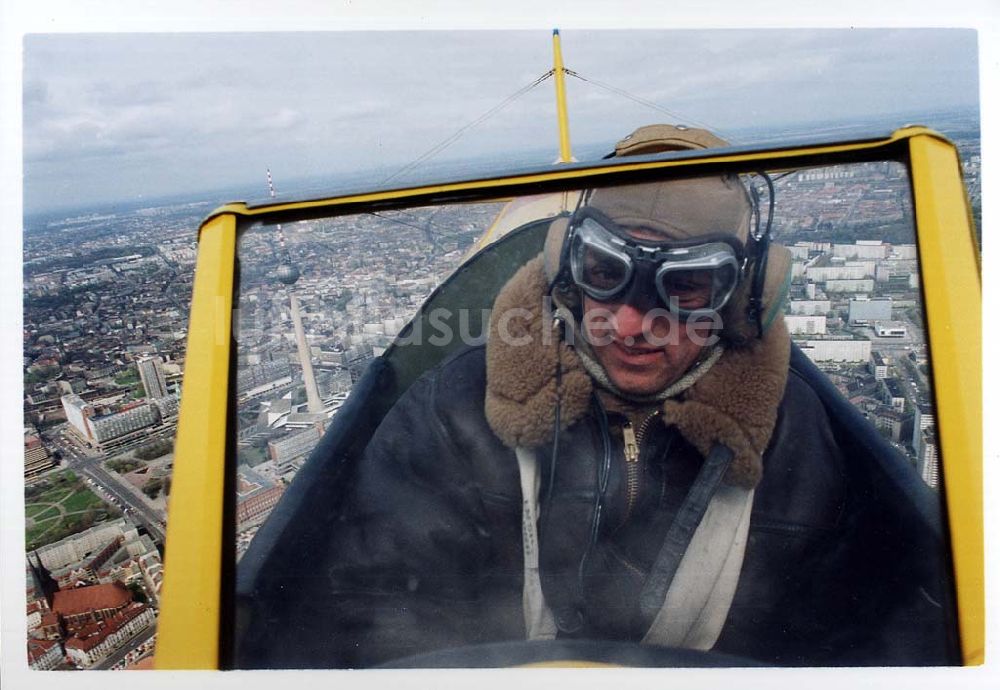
(288, 274)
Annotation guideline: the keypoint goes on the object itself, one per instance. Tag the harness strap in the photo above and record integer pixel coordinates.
(693, 581)
(539, 622)
(699, 598)
(682, 529)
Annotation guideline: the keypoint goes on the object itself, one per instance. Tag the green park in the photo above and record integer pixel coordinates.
(59, 506)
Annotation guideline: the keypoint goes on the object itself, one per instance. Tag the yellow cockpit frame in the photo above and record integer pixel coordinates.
(197, 566)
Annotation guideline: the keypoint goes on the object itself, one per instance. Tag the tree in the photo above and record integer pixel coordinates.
(152, 487)
(154, 449)
(123, 466)
(138, 593)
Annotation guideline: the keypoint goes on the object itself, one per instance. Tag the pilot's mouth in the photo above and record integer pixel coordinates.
(630, 348)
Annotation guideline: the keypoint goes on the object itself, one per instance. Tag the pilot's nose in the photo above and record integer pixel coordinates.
(629, 320)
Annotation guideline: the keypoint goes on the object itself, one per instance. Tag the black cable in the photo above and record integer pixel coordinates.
(454, 137)
(763, 240)
(439, 233)
(604, 472)
(558, 324)
(649, 104)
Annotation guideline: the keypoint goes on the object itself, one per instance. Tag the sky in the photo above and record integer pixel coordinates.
(132, 116)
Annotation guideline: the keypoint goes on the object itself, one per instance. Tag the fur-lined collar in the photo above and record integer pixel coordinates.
(735, 403)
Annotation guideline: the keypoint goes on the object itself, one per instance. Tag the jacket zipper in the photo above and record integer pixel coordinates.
(633, 441)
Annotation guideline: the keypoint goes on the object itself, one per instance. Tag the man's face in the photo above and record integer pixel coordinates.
(642, 347)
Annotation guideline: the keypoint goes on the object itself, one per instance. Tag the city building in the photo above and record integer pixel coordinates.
(879, 367)
(168, 406)
(864, 311)
(78, 412)
(892, 422)
(810, 325)
(808, 307)
(118, 424)
(94, 555)
(923, 419)
(825, 274)
(37, 459)
(261, 374)
(890, 329)
(854, 286)
(893, 394)
(901, 282)
(255, 497)
(94, 642)
(334, 382)
(44, 655)
(89, 620)
(357, 360)
(152, 376)
(113, 427)
(863, 249)
(81, 606)
(927, 458)
(296, 445)
(836, 350)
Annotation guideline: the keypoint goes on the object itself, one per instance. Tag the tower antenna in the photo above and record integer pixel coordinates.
(288, 273)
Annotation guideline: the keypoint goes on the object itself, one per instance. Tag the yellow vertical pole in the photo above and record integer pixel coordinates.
(189, 625)
(565, 155)
(949, 266)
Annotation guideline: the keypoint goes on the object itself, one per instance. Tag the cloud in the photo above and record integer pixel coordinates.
(322, 102)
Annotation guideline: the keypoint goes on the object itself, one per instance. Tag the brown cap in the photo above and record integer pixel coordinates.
(659, 138)
(679, 209)
(683, 209)
(676, 209)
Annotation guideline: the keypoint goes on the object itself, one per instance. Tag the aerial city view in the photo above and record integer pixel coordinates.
(106, 300)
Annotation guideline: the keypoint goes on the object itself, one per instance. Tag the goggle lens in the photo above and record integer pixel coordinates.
(693, 289)
(686, 278)
(602, 271)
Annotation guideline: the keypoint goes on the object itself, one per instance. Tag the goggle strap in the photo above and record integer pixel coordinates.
(563, 275)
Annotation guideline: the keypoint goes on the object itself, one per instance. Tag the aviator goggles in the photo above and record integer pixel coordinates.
(690, 277)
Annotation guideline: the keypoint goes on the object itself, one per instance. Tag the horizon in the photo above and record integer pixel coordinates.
(337, 183)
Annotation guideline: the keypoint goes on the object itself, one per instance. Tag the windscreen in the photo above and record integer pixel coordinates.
(455, 447)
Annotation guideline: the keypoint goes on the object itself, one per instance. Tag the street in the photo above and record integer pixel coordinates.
(110, 486)
(123, 651)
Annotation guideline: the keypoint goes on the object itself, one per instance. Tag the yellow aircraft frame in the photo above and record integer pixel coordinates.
(192, 608)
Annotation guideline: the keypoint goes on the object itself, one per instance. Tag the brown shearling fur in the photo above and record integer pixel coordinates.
(521, 383)
(735, 403)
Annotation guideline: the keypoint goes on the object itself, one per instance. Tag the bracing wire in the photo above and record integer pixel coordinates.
(649, 104)
(482, 118)
(445, 143)
(428, 228)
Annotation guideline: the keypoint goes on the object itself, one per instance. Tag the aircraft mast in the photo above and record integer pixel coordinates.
(565, 154)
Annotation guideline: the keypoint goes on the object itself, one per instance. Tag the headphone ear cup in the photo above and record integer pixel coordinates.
(556, 250)
(773, 275)
(756, 307)
(777, 281)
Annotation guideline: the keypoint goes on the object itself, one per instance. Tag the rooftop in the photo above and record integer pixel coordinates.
(69, 602)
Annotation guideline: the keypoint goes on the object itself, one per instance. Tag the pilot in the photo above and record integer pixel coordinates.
(631, 457)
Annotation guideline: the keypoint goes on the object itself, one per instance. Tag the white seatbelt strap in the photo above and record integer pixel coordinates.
(538, 619)
(698, 600)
